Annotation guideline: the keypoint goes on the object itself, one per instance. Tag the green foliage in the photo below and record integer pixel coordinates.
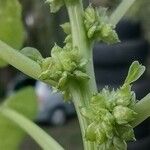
(23, 102)
(64, 65)
(32, 53)
(135, 72)
(111, 112)
(66, 28)
(98, 27)
(11, 27)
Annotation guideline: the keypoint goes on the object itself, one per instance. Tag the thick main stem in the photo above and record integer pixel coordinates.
(81, 92)
(80, 39)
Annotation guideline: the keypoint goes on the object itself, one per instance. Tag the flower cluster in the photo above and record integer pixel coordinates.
(64, 65)
(97, 26)
(110, 114)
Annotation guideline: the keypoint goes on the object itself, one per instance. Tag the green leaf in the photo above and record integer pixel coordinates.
(11, 27)
(135, 72)
(40, 136)
(32, 53)
(2, 63)
(66, 27)
(23, 102)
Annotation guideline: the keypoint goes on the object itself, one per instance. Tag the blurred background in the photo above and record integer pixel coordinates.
(111, 64)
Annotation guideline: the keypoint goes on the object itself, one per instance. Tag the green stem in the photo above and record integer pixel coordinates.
(120, 11)
(80, 40)
(81, 92)
(80, 96)
(19, 61)
(143, 110)
(40, 136)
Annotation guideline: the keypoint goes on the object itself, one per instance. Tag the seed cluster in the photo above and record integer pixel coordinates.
(97, 26)
(110, 114)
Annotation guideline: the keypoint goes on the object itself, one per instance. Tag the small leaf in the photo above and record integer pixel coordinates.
(66, 27)
(24, 102)
(135, 72)
(11, 27)
(32, 53)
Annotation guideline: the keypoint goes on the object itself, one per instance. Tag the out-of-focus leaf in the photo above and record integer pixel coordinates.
(24, 102)
(32, 53)
(11, 27)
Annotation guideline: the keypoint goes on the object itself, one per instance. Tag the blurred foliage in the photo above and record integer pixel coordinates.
(42, 27)
(24, 102)
(140, 11)
(11, 27)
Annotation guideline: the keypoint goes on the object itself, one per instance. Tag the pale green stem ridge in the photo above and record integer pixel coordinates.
(81, 92)
(19, 61)
(41, 137)
(80, 40)
(143, 110)
(120, 11)
(80, 96)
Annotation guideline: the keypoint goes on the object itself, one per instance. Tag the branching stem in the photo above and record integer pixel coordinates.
(19, 61)
(120, 11)
(143, 110)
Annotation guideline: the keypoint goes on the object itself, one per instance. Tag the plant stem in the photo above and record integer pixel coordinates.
(80, 98)
(81, 92)
(40, 136)
(143, 110)
(80, 39)
(120, 11)
(19, 61)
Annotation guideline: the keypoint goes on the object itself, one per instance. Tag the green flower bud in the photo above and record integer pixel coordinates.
(91, 31)
(90, 133)
(90, 15)
(126, 132)
(125, 96)
(119, 144)
(81, 75)
(97, 26)
(64, 64)
(32, 53)
(123, 115)
(100, 136)
(110, 114)
(108, 128)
